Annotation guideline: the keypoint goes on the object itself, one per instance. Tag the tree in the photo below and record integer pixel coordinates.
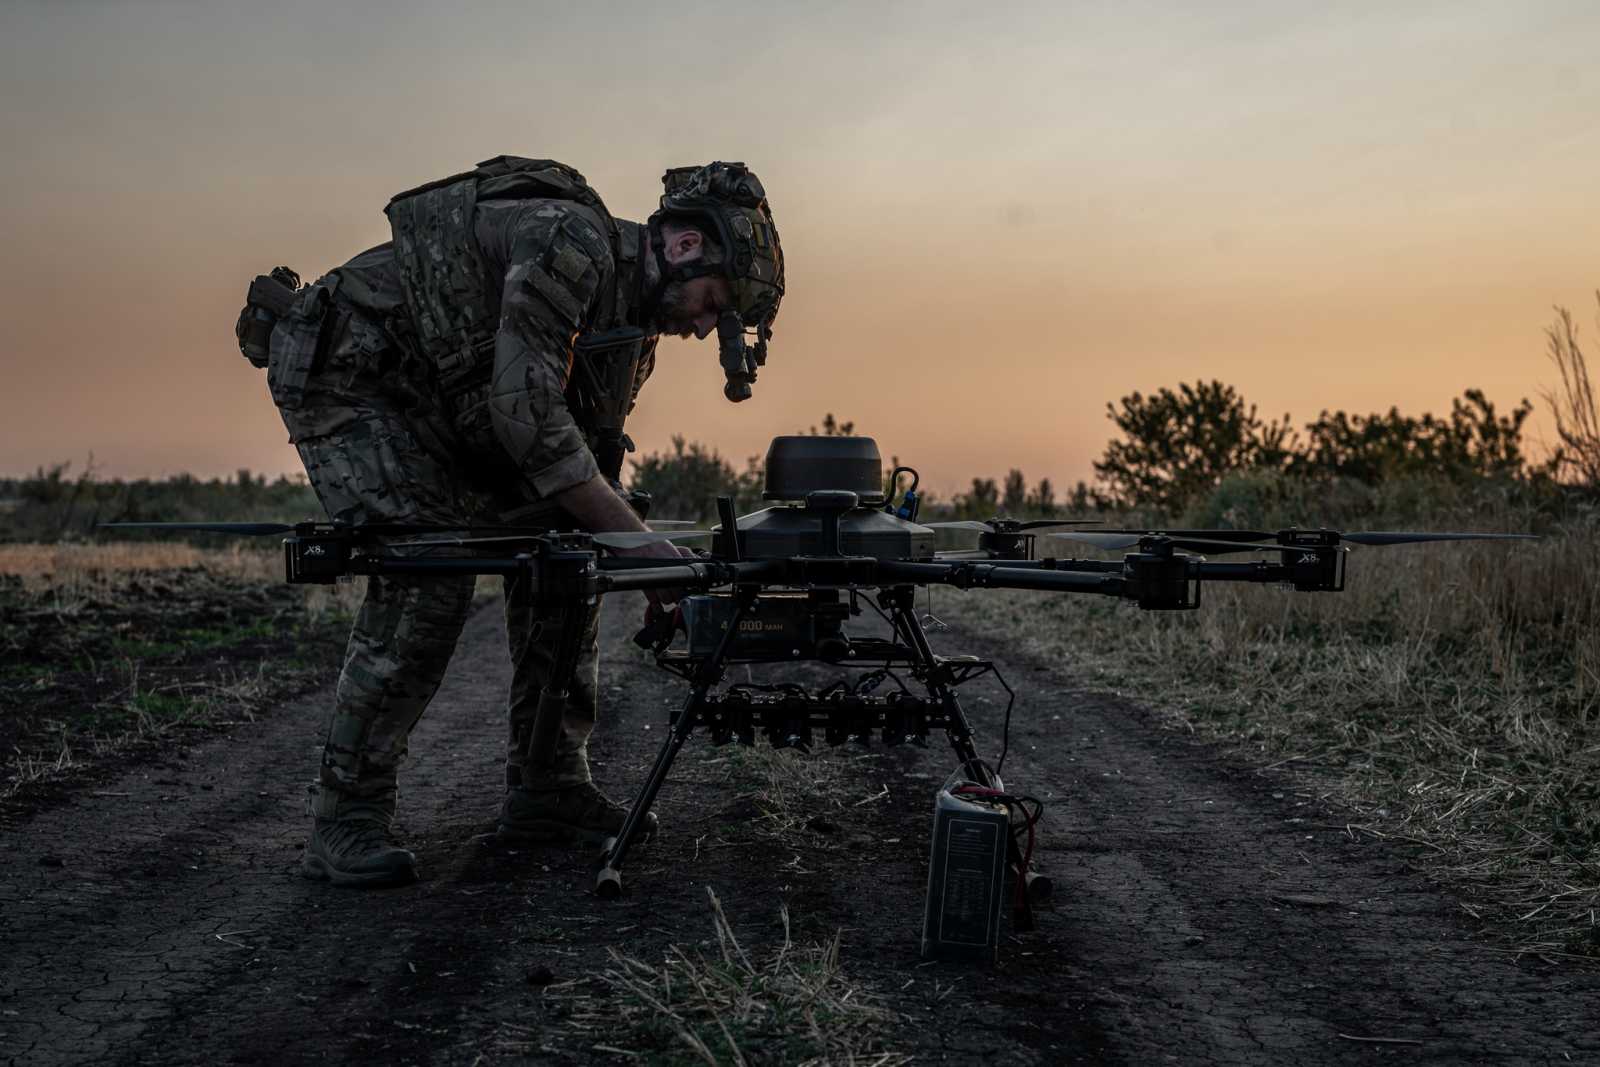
(832, 427)
(1042, 501)
(685, 483)
(1015, 496)
(981, 502)
(1473, 442)
(1177, 445)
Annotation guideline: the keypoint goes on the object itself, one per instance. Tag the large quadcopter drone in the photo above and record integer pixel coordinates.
(780, 584)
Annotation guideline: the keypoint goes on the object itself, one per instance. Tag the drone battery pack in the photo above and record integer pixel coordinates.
(966, 873)
(780, 627)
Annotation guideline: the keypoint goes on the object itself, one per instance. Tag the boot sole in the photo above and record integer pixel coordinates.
(318, 870)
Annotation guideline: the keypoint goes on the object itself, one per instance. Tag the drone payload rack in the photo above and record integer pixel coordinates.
(780, 585)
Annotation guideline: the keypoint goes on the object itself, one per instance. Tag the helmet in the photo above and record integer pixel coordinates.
(727, 200)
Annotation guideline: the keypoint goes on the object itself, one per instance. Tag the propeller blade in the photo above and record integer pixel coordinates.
(960, 524)
(1378, 537)
(1219, 548)
(508, 539)
(631, 539)
(992, 527)
(246, 529)
(662, 524)
(1213, 535)
(1043, 524)
(1111, 542)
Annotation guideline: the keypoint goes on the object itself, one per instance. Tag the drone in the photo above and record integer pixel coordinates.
(781, 585)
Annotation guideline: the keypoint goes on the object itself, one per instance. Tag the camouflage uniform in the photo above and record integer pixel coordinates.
(388, 435)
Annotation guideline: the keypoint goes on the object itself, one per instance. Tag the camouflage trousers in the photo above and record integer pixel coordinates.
(375, 453)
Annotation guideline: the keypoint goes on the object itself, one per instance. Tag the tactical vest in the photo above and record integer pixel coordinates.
(454, 302)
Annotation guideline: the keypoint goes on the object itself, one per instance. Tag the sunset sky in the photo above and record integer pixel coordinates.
(997, 217)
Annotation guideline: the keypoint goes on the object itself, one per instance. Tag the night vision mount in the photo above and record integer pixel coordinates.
(782, 584)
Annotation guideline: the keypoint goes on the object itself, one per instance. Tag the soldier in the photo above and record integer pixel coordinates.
(476, 370)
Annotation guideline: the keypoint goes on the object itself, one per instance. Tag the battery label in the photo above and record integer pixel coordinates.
(972, 853)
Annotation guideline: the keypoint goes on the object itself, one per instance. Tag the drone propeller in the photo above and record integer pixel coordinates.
(1366, 537)
(1383, 537)
(662, 524)
(1113, 542)
(244, 529)
(619, 539)
(377, 529)
(1210, 535)
(1007, 525)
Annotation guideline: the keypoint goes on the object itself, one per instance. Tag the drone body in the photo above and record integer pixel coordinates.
(780, 584)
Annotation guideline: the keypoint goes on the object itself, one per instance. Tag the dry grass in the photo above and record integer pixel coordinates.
(68, 573)
(74, 567)
(111, 648)
(1451, 696)
(789, 1005)
(792, 787)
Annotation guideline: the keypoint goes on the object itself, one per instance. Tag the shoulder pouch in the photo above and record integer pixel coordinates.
(269, 299)
(299, 341)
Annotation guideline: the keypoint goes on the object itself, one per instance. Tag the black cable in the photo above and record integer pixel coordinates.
(902, 640)
(1005, 732)
(869, 681)
(1019, 802)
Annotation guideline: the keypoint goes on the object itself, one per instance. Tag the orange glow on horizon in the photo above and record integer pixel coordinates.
(993, 227)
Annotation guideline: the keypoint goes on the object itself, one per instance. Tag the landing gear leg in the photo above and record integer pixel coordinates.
(608, 883)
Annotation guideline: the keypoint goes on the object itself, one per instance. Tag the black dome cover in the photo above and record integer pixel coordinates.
(801, 464)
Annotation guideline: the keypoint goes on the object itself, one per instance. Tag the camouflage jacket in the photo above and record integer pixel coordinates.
(555, 263)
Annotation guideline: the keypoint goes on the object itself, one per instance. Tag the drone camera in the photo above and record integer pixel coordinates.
(316, 554)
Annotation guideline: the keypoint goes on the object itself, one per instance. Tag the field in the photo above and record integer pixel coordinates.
(1283, 828)
(1449, 697)
(115, 649)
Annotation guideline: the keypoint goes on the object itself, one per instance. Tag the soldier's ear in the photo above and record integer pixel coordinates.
(684, 245)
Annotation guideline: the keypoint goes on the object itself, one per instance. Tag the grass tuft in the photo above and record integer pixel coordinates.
(789, 1005)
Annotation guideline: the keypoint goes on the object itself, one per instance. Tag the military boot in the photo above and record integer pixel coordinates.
(357, 852)
(574, 812)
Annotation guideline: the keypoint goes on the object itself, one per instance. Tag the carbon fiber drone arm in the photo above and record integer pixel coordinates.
(965, 574)
(706, 574)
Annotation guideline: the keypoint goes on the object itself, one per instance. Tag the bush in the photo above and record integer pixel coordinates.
(52, 505)
(685, 483)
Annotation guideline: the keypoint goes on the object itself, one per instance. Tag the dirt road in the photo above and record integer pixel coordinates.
(1204, 913)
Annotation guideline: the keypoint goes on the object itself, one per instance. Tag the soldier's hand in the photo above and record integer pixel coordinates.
(668, 553)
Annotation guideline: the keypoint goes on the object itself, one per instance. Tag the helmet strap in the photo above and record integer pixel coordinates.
(651, 302)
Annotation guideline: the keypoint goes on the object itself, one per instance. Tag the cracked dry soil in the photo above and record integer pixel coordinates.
(1203, 912)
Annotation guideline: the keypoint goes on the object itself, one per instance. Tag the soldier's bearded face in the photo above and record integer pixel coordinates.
(690, 309)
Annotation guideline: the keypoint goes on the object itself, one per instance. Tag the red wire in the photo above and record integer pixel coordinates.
(972, 789)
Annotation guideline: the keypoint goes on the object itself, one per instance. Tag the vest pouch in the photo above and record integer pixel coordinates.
(300, 339)
(601, 390)
(269, 299)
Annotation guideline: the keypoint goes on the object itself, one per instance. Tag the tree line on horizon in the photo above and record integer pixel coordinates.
(1174, 450)
(1176, 447)
(1173, 447)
